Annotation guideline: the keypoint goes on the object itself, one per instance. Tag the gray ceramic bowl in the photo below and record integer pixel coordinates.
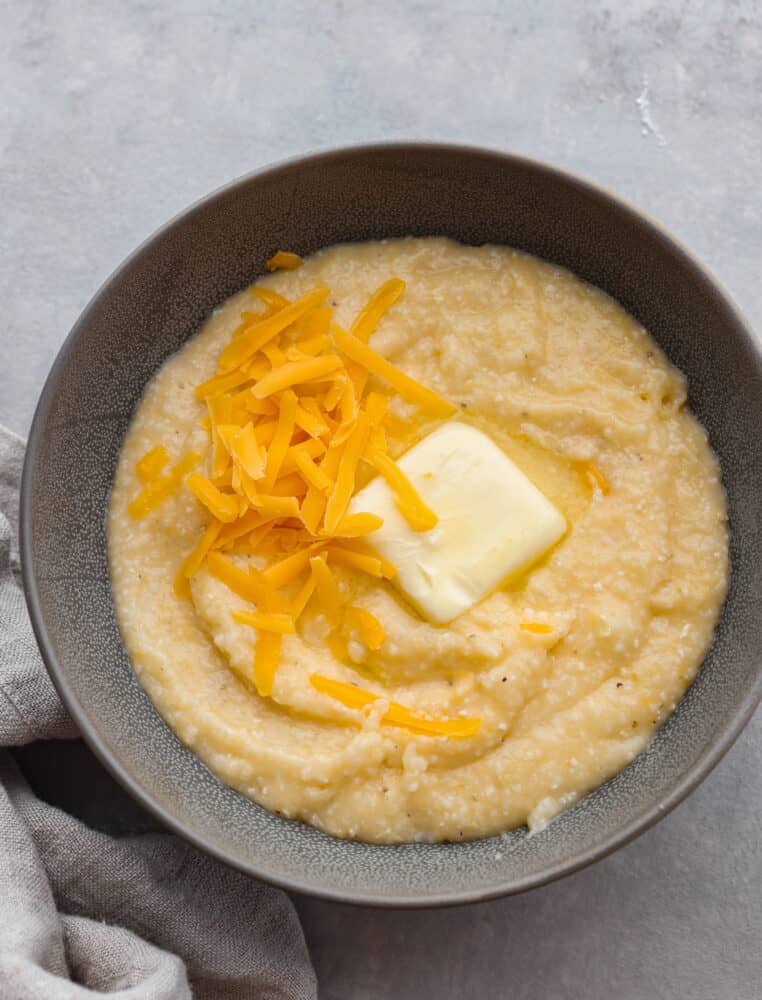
(160, 295)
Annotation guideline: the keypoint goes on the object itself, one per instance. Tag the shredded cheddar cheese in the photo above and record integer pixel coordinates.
(410, 505)
(313, 508)
(356, 560)
(223, 506)
(281, 439)
(235, 578)
(327, 589)
(162, 487)
(370, 628)
(379, 303)
(281, 573)
(357, 525)
(283, 260)
(293, 432)
(296, 372)
(597, 478)
(266, 659)
(243, 348)
(303, 596)
(396, 715)
(192, 562)
(151, 464)
(408, 388)
(344, 486)
(268, 621)
(272, 299)
(539, 628)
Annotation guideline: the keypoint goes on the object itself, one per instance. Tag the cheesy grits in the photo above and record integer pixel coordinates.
(417, 541)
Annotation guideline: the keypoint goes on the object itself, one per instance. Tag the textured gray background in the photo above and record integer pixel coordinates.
(114, 116)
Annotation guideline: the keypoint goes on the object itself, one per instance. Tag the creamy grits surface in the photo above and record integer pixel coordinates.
(564, 382)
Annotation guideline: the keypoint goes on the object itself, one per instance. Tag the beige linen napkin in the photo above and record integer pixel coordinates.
(143, 917)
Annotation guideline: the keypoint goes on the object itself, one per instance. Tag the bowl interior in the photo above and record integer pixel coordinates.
(160, 296)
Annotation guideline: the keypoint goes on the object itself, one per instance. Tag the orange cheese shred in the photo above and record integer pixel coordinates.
(315, 325)
(376, 406)
(280, 574)
(291, 373)
(254, 539)
(398, 428)
(270, 298)
(261, 332)
(181, 586)
(247, 453)
(396, 715)
(597, 478)
(356, 525)
(303, 596)
(313, 508)
(307, 348)
(377, 306)
(162, 487)
(221, 505)
(327, 589)
(289, 484)
(274, 355)
(347, 407)
(274, 506)
(418, 515)
(253, 406)
(236, 579)
(311, 422)
(192, 562)
(429, 400)
(312, 448)
(265, 431)
(356, 560)
(251, 520)
(266, 660)
(344, 487)
(268, 621)
(283, 260)
(221, 383)
(281, 438)
(370, 628)
(313, 474)
(539, 628)
(333, 396)
(359, 547)
(151, 464)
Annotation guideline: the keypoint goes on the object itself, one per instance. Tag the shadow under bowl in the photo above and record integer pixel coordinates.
(161, 295)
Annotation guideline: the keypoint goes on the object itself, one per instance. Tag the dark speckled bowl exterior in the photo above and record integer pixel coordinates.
(158, 298)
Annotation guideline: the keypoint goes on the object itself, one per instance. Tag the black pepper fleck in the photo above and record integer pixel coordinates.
(505, 679)
(619, 684)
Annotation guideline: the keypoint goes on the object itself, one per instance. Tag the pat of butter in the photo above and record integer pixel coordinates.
(493, 521)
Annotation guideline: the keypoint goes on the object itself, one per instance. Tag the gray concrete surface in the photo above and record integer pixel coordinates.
(115, 115)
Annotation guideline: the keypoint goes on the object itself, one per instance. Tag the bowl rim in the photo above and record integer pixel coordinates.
(706, 762)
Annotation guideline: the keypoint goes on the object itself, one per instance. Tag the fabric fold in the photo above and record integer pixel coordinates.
(143, 917)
